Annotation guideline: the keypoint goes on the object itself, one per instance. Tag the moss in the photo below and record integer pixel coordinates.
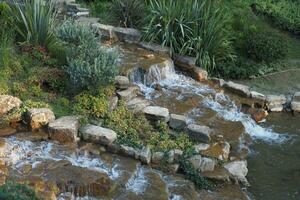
(14, 191)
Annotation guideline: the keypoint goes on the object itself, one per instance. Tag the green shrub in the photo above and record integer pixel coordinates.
(35, 21)
(13, 191)
(89, 64)
(28, 104)
(198, 30)
(265, 46)
(6, 50)
(285, 14)
(129, 12)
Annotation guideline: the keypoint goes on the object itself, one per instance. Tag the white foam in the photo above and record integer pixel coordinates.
(138, 181)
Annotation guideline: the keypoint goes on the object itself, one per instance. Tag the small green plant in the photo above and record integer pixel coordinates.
(34, 21)
(265, 46)
(15, 191)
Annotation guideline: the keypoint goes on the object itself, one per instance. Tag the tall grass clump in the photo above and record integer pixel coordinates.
(34, 21)
(195, 27)
(90, 65)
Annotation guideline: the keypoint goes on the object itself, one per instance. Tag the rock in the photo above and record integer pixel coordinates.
(64, 129)
(258, 114)
(174, 168)
(127, 34)
(177, 122)
(218, 150)
(154, 48)
(137, 104)
(97, 134)
(157, 157)
(157, 113)
(202, 164)
(199, 74)
(238, 169)
(4, 132)
(3, 148)
(121, 82)
(239, 89)
(145, 155)
(176, 153)
(40, 117)
(218, 174)
(199, 133)
(113, 103)
(201, 147)
(130, 151)
(259, 99)
(295, 104)
(275, 103)
(8, 103)
(129, 93)
(105, 30)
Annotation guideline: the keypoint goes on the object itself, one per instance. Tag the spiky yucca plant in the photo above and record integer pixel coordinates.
(34, 21)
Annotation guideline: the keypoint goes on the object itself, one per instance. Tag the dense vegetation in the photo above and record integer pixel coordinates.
(12, 191)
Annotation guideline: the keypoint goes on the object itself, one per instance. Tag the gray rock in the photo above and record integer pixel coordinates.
(258, 98)
(219, 150)
(176, 153)
(239, 89)
(129, 93)
(199, 133)
(238, 169)
(97, 134)
(8, 103)
(275, 103)
(202, 164)
(40, 117)
(130, 151)
(177, 122)
(154, 47)
(113, 103)
(157, 157)
(64, 129)
(104, 30)
(121, 82)
(145, 155)
(295, 104)
(157, 113)
(137, 104)
(201, 147)
(127, 34)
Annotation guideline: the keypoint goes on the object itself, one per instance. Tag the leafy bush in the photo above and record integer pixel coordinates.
(265, 46)
(89, 64)
(12, 191)
(283, 13)
(6, 50)
(129, 12)
(5, 18)
(197, 30)
(34, 21)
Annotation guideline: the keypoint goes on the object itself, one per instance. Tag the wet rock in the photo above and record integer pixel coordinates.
(238, 169)
(199, 133)
(258, 114)
(199, 74)
(8, 103)
(259, 99)
(33, 136)
(7, 131)
(202, 164)
(236, 88)
(113, 103)
(129, 151)
(66, 196)
(137, 104)
(157, 157)
(218, 150)
(2, 148)
(40, 117)
(157, 113)
(218, 174)
(129, 93)
(176, 153)
(145, 155)
(275, 103)
(121, 82)
(64, 129)
(295, 104)
(177, 122)
(154, 48)
(201, 147)
(97, 134)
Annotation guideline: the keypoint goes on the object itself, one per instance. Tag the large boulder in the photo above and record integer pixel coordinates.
(238, 169)
(295, 104)
(8, 103)
(121, 82)
(199, 133)
(97, 134)
(129, 93)
(137, 104)
(202, 164)
(275, 103)
(40, 117)
(177, 122)
(64, 129)
(157, 113)
(239, 89)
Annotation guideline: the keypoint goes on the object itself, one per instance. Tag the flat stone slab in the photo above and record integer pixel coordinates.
(64, 130)
(137, 104)
(40, 117)
(157, 113)
(154, 48)
(8, 103)
(295, 104)
(177, 122)
(275, 103)
(236, 88)
(97, 134)
(199, 133)
(129, 93)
